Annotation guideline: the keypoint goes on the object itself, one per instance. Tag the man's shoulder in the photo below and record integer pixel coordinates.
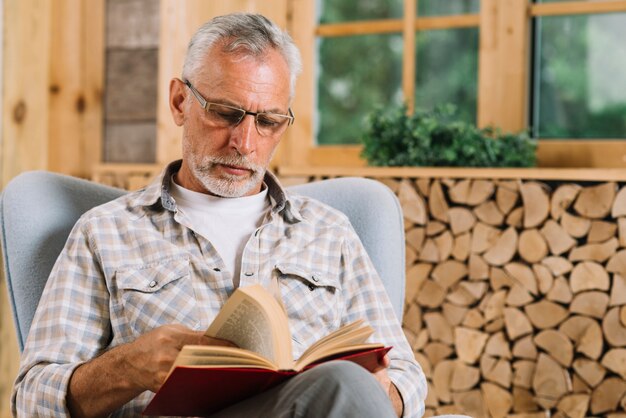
(315, 211)
(128, 205)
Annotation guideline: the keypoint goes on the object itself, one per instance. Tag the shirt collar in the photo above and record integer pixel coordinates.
(158, 193)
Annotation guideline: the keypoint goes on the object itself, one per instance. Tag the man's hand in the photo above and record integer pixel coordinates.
(107, 382)
(383, 378)
(150, 357)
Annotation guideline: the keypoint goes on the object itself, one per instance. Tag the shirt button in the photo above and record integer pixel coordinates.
(315, 279)
(249, 274)
(152, 283)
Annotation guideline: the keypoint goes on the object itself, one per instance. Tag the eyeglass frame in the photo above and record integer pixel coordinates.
(206, 104)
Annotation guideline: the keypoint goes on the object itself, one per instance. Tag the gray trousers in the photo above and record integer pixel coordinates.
(331, 390)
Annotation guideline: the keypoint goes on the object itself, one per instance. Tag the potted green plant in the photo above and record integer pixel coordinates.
(436, 138)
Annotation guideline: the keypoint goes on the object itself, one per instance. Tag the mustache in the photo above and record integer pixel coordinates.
(232, 160)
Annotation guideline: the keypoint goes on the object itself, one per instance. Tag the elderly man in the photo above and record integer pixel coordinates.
(145, 274)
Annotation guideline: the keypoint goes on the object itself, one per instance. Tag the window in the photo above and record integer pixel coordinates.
(361, 73)
(579, 86)
(551, 67)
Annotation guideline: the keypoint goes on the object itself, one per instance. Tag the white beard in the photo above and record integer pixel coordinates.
(225, 185)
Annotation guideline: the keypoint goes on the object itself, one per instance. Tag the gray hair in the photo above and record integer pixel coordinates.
(249, 33)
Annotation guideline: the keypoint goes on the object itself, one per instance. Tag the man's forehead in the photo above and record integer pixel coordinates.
(270, 65)
(245, 80)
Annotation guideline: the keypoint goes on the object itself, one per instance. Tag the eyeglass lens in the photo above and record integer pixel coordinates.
(267, 124)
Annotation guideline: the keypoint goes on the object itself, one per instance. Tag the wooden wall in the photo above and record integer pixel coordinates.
(52, 81)
(51, 108)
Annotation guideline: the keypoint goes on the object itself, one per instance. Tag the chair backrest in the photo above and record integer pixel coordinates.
(38, 209)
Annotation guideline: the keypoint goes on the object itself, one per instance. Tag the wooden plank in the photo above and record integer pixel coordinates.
(509, 59)
(487, 104)
(447, 22)
(580, 174)
(66, 96)
(409, 57)
(582, 153)
(25, 111)
(76, 82)
(175, 31)
(92, 64)
(383, 26)
(298, 141)
(576, 7)
(361, 28)
(332, 155)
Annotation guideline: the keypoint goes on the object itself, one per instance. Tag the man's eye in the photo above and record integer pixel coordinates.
(226, 114)
(269, 121)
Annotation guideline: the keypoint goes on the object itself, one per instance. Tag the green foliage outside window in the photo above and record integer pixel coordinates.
(438, 138)
(447, 70)
(579, 83)
(356, 73)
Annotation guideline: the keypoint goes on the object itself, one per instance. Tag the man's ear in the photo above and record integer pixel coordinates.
(177, 100)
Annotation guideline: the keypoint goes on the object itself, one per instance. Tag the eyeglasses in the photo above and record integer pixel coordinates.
(224, 116)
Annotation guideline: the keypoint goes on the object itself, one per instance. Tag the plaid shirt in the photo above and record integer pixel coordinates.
(129, 266)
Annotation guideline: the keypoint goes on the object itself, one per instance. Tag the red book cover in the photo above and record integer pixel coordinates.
(196, 391)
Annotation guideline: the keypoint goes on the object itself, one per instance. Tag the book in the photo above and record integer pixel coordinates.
(206, 379)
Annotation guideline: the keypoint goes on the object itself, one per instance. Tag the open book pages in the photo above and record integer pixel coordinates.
(351, 337)
(254, 320)
(218, 356)
(257, 323)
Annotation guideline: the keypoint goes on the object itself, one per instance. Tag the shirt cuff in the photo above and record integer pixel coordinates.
(44, 392)
(412, 392)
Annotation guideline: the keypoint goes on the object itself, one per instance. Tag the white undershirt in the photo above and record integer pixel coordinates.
(227, 222)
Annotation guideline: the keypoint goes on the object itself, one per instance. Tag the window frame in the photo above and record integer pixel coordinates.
(504, 58)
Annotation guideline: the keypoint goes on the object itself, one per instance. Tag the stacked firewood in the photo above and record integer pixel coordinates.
(516, 295)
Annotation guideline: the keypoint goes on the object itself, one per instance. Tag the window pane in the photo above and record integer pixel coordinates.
(579, 86)
(447, 7)
(356, 74)
(447, 70)
(332, 11)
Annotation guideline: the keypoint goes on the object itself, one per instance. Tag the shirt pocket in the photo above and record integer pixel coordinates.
(313, 302)
(157, 294)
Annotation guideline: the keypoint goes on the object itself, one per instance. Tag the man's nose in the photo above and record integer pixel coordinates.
(243, 136)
